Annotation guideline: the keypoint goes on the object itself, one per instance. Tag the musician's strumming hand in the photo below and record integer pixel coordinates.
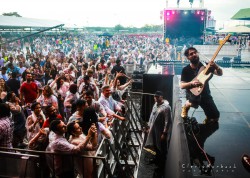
(195, 83)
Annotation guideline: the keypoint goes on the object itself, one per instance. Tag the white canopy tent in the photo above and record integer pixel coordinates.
(236, 29)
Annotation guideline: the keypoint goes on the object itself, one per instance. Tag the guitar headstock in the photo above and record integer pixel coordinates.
(225, 39)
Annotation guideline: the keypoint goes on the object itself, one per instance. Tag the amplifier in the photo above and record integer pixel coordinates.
(137, 85)
(137, 76)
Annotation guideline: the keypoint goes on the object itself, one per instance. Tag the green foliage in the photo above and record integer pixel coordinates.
(118, 28)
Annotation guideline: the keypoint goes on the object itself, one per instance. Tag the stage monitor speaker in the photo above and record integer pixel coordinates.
(151, 84)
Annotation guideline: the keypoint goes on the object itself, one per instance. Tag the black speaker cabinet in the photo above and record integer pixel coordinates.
(137, 85)
(151, 84)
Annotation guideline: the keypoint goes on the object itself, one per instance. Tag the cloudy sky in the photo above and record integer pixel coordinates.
(112, 12)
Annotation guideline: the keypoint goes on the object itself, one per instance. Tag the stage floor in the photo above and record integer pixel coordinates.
(225, 143)
(231, 139)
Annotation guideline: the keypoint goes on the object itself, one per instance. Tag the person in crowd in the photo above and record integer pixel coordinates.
(60, 86)
(71, 70)
(159, 130)
(84, 166)
(47, 98)
(19, 120)
(109, 104)
(4, 89)
(119, 69)
(38, 73)
(71, 96)
(99, 109)
(22, 68)
(11, 68)
(87, 85)
(51, 114)
(63, 167)
(3, 74)
(53, 72)
(77, 115)
(120, 89)
(90, 117)
(47, 69)
(13, 83)
(99, 72)
(28, 90)
(6, 126)
(188, 82)
(35, 121)
(11, 61)
(40, 141)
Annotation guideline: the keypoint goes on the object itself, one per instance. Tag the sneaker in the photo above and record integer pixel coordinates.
(184, 111)
(149, 150)
(246, 161)
(210, 121)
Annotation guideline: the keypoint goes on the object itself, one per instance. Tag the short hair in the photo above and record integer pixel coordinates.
(5, 110)
(70, 127)
(9, 95)
(90, 71)
(118, 61)
(53, 125)
(86, 77)
(80, 102)
(4, 68)
(89, 93)
(48, 89)
(186, 52)
(33, 105)
(90, 117)
(47, 109)
(105, 87)
(73, 88)
(13, 74)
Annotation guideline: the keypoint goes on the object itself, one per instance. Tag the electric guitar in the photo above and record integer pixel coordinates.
(204, 74)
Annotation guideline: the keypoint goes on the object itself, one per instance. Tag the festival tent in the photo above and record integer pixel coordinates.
(242, 14)
(236, 29)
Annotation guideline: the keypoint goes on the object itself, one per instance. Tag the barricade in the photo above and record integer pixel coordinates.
(115, 157)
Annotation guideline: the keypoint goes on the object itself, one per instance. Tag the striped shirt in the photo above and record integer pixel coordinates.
(6, 130)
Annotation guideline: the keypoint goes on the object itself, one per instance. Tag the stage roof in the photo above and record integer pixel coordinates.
(242, 14)
(11, 22)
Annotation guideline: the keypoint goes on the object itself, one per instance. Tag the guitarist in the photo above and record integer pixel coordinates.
(204, 99)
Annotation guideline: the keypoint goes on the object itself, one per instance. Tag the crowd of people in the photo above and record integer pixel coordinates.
(61, 93)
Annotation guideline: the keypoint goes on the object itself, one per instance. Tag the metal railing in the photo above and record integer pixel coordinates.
(115, 157)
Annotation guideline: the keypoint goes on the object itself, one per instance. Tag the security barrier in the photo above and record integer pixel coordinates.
(115, 157)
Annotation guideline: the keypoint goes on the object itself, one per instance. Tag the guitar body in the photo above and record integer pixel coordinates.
(202, 77)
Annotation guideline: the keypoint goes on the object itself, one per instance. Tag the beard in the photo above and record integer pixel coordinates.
(195, 60)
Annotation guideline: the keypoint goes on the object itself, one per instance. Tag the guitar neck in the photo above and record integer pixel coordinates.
(217, 52)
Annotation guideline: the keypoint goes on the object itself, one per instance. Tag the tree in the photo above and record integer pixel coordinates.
(118, 27)
(12, 14)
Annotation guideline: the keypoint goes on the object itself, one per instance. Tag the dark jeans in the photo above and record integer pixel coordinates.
(206, 103)
(209, 107)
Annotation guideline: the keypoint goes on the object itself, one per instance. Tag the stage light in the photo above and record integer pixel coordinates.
(185, 12)
(168, 14)
(198, 12)
(202, 18)
(173, 12)
(202, 12)
(168, 18)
